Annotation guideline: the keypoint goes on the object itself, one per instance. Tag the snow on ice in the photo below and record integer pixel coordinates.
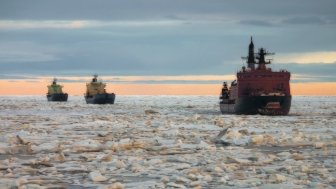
(164, 142)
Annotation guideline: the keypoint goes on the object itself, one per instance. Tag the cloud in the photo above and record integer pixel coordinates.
(308, 57)
(51, 24)
(149, 79)
(79, 24)
(185, 79)
(123, 10)
(316, 72)
(305, 20)
(158, 37)
(256, 23)
(303, 78)
(17, 77)
(26, 56)
(23, 52)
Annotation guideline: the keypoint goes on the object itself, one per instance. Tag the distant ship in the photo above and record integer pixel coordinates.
(96, 93)
(55, 92)
(257, 89)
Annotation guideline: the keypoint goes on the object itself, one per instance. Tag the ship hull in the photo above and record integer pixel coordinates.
(250, 105)
(106, 98)
(59, 97)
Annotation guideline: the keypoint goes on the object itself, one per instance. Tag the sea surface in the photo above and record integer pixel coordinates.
(164, 142)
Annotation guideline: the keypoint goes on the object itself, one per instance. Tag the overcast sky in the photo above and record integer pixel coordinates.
(164, 37)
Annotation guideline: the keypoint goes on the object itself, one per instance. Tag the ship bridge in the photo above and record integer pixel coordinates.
(261, 80)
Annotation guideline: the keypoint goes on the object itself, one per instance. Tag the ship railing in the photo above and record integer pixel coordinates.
(283, 70)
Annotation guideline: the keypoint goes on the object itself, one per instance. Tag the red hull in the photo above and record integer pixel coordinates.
(257, 89)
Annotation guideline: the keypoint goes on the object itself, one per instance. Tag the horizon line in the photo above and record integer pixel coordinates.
(40, 88)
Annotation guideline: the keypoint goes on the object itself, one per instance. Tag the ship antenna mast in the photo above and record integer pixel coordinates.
(250, 58)
(262, 60)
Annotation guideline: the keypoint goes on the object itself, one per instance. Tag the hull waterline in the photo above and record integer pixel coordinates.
(107, 98)
(258, 105)
(58, 97)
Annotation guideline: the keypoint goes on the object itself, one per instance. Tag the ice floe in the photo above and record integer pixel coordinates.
(164, 142)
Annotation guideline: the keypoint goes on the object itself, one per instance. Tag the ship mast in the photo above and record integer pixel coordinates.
(261, 57)
(251, 58)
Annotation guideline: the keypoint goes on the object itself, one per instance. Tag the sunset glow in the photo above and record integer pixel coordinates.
(40, 88)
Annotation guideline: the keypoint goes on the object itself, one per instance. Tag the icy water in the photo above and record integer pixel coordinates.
(164, 142)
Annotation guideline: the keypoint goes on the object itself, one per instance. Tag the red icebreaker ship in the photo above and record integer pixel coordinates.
(257, 89)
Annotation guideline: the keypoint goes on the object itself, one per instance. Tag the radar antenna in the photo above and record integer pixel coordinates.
(270, 53)
(261, 56)
(95, 76)
(54, 80)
